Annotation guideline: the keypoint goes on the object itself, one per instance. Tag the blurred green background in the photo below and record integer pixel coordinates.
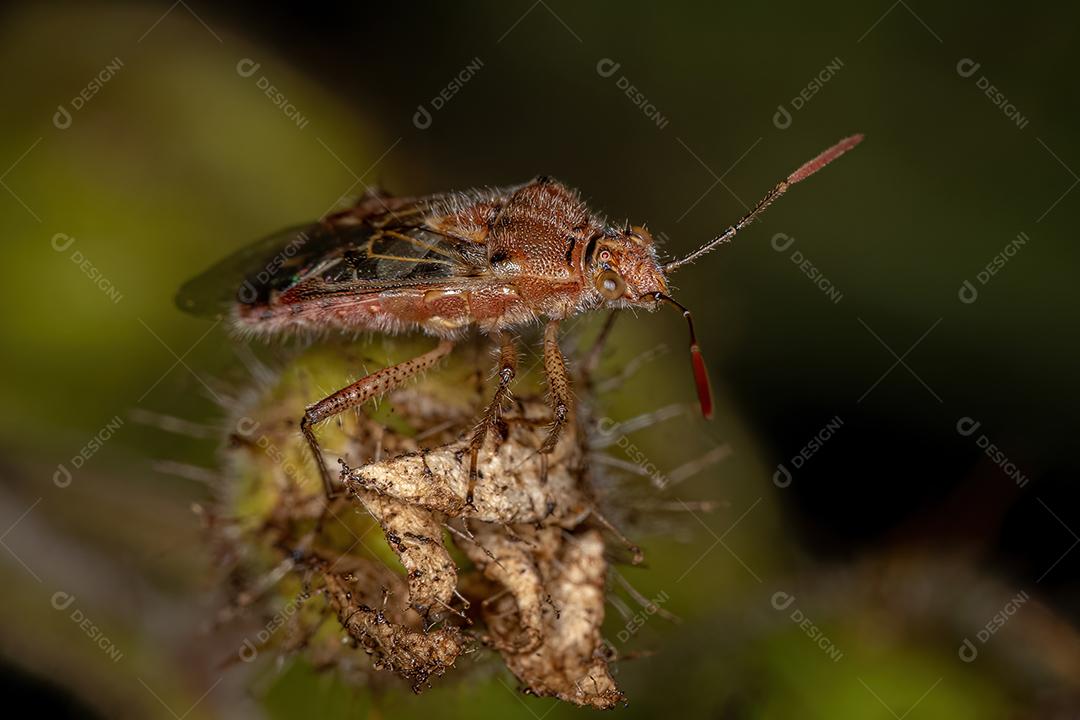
(139, 146)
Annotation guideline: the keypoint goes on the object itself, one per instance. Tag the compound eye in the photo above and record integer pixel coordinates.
(610, 284)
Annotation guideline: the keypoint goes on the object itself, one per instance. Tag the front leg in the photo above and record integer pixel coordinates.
(562, 403)
(373, 385)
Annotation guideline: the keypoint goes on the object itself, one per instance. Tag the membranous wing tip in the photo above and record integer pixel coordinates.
(363, 249)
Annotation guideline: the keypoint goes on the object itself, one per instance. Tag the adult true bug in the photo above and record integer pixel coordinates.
(492, 260)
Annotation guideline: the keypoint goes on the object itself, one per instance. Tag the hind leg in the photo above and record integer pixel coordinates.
(364, 389)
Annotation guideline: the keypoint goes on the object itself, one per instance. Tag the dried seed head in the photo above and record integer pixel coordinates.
(532, 584)
(508, 487)
(413, 654)
(556, 581)
(370, 584)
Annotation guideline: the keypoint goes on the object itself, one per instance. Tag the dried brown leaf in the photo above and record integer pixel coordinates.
(413, 654)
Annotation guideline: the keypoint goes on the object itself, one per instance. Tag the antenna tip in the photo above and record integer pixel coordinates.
(812, 166)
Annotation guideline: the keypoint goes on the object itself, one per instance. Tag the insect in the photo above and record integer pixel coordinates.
(488, 261)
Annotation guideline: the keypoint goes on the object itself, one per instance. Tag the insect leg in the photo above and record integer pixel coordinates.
(508, 358)
(558, 386)
(373, 385)
(592, 359)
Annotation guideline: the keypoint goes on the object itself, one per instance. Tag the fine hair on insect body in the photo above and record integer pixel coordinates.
(492, 261)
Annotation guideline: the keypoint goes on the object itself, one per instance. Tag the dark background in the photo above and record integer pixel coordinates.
(899, 538)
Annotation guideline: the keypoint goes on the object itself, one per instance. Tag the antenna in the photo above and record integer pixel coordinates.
(806, 170)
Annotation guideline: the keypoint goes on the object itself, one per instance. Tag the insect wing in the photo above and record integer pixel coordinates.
(345, 253)
(404, 253)
(239, 277)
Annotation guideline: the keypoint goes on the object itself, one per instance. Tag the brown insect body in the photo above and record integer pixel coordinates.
(492, 260)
